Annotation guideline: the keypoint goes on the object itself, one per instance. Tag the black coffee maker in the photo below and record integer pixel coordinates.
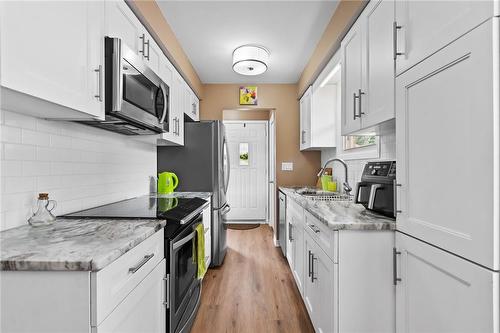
(377, 187)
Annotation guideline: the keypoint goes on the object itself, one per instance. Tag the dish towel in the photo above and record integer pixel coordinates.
(200, 233)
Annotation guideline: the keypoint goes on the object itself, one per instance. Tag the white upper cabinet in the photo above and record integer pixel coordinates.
(305, 119)
(352, 70)
(51, 56)
(175, 134)
(447, 132)
(194, 106)
(121, 22)
(368, 69)
(424, 27)
(440, 292)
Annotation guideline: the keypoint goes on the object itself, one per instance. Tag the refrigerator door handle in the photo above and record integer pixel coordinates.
(227, 172)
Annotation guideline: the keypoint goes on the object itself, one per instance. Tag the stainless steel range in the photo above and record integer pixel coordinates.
(183, 215)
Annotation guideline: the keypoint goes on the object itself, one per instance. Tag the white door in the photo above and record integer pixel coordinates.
(378, 69)
(427, 26)
(447, 147)
(440, 292)
(143, 309)
(53, 50)
(247, 191)
(352, 64)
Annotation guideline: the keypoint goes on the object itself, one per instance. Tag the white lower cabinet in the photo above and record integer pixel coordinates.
(319, 286)
(344, 276)
(142, 310)
(440, 292)
(207, 225)
(127, 295)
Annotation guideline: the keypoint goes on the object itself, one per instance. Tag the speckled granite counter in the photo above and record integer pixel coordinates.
(340, 215)
(72, 244)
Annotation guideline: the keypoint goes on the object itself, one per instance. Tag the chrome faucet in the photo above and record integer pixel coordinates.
(347, 187)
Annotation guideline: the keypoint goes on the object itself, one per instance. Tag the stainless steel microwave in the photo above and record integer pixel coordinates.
(136, 99)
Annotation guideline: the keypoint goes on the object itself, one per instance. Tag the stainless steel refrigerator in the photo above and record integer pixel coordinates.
(202, 165)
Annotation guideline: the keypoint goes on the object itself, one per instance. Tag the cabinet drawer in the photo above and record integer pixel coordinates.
(112, 284)
(327, 239)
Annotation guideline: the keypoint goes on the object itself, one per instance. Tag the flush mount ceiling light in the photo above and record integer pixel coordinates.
(250, 60)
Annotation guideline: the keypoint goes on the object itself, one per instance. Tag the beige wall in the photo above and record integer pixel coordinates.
(283, 98)
(345, 14)
(150, 15)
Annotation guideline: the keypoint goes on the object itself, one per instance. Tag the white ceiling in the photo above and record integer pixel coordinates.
(209, 31)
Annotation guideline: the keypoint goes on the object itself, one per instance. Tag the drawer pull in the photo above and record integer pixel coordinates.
(314, 228)
(142, 263)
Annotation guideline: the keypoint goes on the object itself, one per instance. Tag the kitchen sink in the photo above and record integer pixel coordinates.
(320, 195)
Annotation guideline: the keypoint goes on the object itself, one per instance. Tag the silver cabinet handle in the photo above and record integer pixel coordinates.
(354, 98)
(167, 291)
(303, 136)
(360, 93)
(141, 263)
(395, 28)
(147, 43)
(395, 278)
(396, 185)
(313, 278)
(194, 108)
(99, 83)
(290, 227)
(314, 228)
(143, 40)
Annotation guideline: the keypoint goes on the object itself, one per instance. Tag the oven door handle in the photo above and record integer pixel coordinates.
(183, 241)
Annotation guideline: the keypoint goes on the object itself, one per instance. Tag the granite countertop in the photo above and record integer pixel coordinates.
(78, 244)
(72, 244)
(341, 215)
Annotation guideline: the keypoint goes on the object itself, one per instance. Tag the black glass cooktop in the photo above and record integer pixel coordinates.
(172, 209)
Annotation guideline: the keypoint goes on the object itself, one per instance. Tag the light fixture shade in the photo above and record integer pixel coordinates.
(250, 60)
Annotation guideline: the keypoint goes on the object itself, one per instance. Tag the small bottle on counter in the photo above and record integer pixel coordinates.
(43, 214)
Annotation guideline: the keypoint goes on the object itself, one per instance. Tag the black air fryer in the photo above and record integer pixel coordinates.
(377, 187)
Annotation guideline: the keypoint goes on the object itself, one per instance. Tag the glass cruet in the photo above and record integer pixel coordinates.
(43, 214)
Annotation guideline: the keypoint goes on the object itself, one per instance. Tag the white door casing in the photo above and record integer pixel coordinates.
(247, 192)
(272, 175)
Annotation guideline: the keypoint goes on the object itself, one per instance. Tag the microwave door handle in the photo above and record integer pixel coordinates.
(117, 85)
(373, 192)
(165, 105)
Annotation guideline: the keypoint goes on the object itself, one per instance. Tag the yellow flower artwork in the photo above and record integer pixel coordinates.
(248, 95)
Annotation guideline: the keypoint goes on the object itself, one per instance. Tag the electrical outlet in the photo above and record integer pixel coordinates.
(287, 166)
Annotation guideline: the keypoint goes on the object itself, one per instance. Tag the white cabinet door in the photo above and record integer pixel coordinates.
(298, 255)
(447, 132)
(319, 286)
(352, 78)
(427, 26)
(53, 50)
(194, 106)
(305, 119)
(153, 54)
(122, 23)
(378, 70)
(440, 292)
(143, 309)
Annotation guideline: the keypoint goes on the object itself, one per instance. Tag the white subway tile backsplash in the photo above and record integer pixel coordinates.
(30, 137)
(79, 166)
(19, 152)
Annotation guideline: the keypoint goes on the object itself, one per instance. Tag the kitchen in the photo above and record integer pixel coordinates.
(126, 133)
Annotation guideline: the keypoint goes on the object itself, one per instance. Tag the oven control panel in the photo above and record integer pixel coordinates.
(379, 170)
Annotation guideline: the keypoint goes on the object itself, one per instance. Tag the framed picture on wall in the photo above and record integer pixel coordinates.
(248, 95)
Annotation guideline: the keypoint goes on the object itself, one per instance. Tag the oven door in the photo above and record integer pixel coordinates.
(184, 285)
(136, 93)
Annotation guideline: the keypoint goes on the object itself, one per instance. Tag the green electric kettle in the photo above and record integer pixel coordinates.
(167, 182)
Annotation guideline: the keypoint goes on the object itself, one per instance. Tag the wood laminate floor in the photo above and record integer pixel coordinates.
(253, 291)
